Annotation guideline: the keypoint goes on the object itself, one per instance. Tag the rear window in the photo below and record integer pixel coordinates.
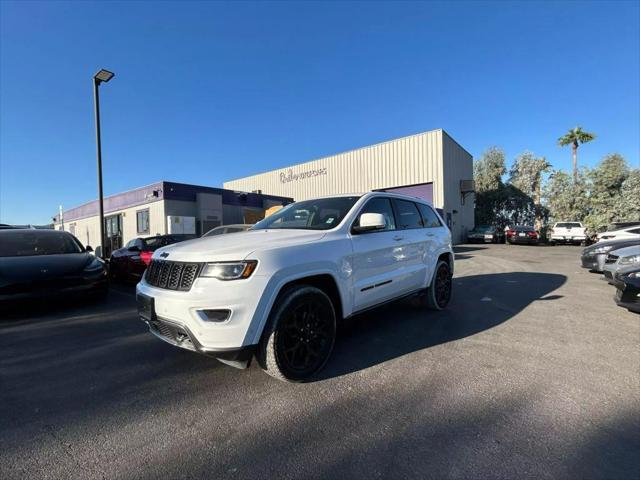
(568, 225)
(524, 229)
(429, 217)
(154, 243)
(18, 243)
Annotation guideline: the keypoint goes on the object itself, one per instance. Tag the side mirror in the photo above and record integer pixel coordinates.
(89, 248)
(133, 249)
(370, 222)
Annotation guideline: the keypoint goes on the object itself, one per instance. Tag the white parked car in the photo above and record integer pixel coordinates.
(224, 229)
(628, 232)
(568, 232)
(277, 290)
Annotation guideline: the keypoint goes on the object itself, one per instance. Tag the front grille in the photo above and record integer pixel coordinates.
(172, 275)
(611, 258)
(173, 333)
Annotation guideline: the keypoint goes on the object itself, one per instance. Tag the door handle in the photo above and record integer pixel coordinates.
(397, 238)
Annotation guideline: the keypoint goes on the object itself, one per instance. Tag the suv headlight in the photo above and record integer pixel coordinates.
(229, 270)
(630, 260)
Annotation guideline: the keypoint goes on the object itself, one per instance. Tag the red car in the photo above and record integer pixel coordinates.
(522, 234)
(129, 262)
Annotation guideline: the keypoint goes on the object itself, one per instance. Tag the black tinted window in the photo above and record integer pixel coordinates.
(379, 205)
(429, 217)
(407, 214)
(15, 243)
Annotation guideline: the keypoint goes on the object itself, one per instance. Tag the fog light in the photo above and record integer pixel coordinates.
(215, 315)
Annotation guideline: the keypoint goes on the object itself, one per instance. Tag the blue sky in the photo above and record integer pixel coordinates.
(205, 92)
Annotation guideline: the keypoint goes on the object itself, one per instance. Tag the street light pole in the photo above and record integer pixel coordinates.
(98, 78)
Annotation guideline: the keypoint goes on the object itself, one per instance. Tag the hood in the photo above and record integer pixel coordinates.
(616, 243)
(235, 246)
(42, 267)
(626, 251)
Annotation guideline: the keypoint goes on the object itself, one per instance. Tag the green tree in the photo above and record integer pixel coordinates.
(605, 191)
(564, 199)
(628, 208)
(575, 137)
(488, 171)
(487, 175)
(526, 174)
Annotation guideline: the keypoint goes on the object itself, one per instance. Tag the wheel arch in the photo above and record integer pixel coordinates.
(323, 280)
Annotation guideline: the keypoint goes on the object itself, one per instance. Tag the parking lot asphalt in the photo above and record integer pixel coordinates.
(532, 372)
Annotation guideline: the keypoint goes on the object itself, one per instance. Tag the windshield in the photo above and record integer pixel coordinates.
(320, 214)
(521, 228)
(483, 228)
(154, 243)
(568, 225)
(20, 243)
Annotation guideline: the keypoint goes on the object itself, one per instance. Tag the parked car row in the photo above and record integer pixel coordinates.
(619, 261)
(43, 264)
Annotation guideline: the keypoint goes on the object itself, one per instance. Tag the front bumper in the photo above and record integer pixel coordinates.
(180, 336)
(87, 286)
(628, 296)
(184, 310)
(594, 262)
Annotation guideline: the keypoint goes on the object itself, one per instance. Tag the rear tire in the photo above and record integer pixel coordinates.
(299, 336)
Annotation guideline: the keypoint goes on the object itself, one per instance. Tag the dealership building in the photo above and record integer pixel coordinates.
(162, 208)
(429, 165)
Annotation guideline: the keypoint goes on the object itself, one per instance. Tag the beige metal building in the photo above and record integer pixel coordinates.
(431, 165)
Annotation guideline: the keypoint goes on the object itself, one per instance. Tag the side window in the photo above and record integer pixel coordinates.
(635, 230)
(139, 243)
(429, 217)
(130, 243)
(142, 220)
(379, 205)
(407, 214)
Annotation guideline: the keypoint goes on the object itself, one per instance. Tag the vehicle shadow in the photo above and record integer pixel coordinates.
(470, 247)
(479, 303)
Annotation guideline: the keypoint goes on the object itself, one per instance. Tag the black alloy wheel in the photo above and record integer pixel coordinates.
(442, 285)
(300, 334)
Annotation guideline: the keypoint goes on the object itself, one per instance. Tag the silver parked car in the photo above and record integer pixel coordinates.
(620, 262)
(594, 256)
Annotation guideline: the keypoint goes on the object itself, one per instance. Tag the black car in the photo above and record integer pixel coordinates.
(129, 262)
(485, 234)
(628, 291)
(37, 264)
(522, 234)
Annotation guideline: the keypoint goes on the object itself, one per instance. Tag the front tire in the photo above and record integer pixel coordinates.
(299, 335)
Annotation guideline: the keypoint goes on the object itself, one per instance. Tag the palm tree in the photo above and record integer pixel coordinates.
(575, 137)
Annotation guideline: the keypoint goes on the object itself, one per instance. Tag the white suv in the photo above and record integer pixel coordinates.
(277, 290)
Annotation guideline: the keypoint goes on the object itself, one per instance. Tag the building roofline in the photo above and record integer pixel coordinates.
(456, 142)
(342, 153)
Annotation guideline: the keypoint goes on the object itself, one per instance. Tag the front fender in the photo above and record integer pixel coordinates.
(284, 277)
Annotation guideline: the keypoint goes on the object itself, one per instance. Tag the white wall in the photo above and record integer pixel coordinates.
(87, 229)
